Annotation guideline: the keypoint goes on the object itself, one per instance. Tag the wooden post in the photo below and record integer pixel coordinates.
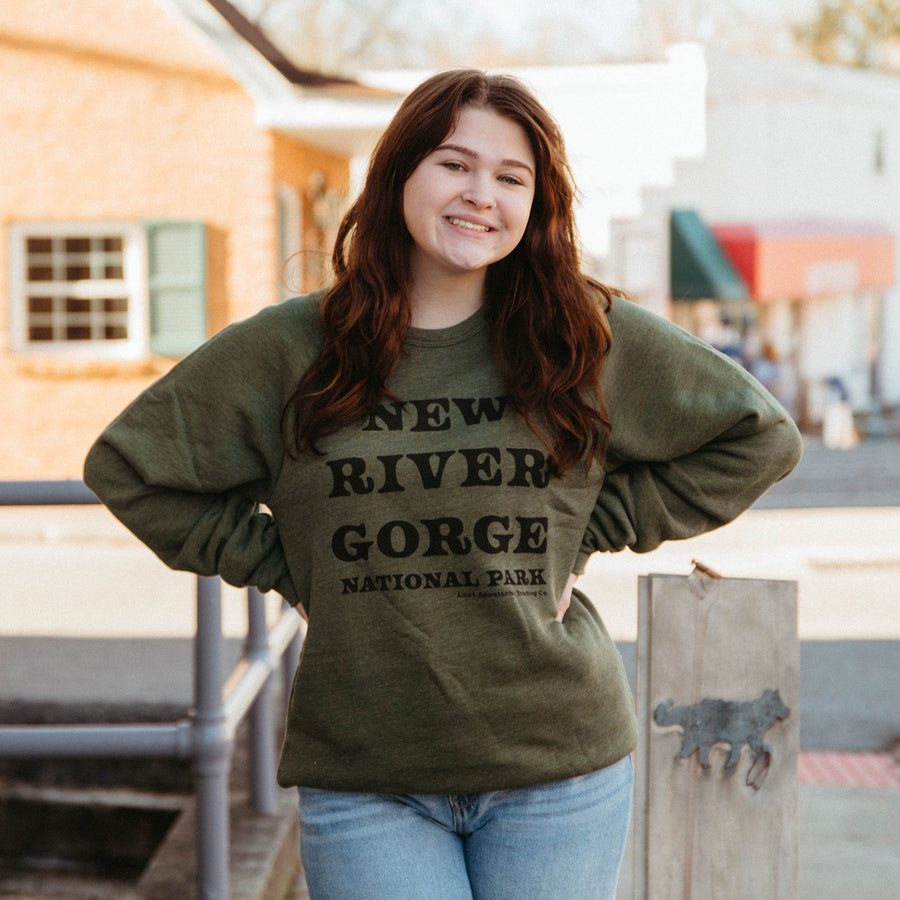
(718, 684)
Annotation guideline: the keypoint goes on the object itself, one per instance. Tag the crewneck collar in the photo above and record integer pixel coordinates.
(444, 337)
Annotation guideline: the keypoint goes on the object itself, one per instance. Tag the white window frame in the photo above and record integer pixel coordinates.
(133, 285)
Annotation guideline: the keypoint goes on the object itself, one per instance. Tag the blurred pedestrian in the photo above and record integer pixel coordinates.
(838, 429)
(441, 440)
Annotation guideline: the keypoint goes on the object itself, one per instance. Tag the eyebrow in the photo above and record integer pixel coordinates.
(466, 151)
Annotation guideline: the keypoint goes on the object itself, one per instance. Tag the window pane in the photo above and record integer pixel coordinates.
(115, 304)
(78, 245)
(112, 244)
(115, 333)
(78, 273)
(78, 304)
(40, 304)
(40, 333)
(116, 272)
(78, 333)
(40, 273)
(40, 245)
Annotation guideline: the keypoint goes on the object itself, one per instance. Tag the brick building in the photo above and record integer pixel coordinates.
(142, 206)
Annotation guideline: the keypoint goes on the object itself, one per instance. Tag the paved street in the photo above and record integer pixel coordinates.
(867, 475)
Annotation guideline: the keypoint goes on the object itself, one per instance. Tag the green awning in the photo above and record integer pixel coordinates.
(699, 270)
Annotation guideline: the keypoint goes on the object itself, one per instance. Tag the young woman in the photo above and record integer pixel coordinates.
(441, 439)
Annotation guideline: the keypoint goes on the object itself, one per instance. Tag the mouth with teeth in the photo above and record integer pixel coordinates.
(469, 226)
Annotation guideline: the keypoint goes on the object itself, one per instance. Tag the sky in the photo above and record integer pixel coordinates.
(510, 10)
(607, 28)
(335, 36)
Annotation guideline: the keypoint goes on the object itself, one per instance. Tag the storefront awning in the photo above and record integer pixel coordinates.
(698, 267)
(794, 260)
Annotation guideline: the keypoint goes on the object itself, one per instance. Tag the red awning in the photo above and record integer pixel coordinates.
(790, 261)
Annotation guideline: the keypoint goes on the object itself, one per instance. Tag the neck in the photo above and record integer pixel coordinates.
(443, 302)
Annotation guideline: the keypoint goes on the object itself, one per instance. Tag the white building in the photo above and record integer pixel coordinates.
(803, 162)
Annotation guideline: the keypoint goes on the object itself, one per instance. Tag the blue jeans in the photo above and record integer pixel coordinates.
(558, 841)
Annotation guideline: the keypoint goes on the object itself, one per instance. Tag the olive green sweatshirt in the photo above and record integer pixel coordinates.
(429, 546)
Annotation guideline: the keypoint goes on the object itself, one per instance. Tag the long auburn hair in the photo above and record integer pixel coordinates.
(550, 336)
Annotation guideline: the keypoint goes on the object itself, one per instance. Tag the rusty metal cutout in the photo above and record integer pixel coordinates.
(731, 722)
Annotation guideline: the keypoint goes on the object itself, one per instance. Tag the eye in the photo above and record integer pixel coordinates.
(510, 179)
(453, 166)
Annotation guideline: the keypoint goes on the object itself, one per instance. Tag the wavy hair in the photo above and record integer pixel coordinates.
(550, 336)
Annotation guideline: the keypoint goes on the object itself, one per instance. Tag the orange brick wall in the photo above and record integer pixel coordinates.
(144, 126)
(137, 30)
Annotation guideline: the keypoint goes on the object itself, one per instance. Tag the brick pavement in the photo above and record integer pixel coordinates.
(848, 769)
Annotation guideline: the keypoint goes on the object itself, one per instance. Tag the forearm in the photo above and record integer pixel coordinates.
(206, 533)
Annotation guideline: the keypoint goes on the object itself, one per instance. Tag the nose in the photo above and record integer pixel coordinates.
(478, 194)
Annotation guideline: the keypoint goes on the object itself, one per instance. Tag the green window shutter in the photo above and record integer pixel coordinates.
(176, 271)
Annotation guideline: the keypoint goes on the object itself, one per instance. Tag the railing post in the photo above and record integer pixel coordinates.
(213, 745)
(262, 723)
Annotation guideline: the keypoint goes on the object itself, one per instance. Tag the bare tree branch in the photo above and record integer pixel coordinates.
(862, 33)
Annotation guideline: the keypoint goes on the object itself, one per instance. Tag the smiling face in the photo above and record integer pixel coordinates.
(467, 202)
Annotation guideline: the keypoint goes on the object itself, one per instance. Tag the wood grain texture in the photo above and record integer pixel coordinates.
(715, 832)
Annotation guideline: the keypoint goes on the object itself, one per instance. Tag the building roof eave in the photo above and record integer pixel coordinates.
(260, 41)
(336, 121)
(247, 53)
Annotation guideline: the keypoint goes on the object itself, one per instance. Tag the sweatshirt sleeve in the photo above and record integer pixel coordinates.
(695, 439)
(187, 464)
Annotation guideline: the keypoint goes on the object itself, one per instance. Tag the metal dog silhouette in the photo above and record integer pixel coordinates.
(728, 721)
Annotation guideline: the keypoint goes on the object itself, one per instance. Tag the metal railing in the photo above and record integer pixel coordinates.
(220, 706)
